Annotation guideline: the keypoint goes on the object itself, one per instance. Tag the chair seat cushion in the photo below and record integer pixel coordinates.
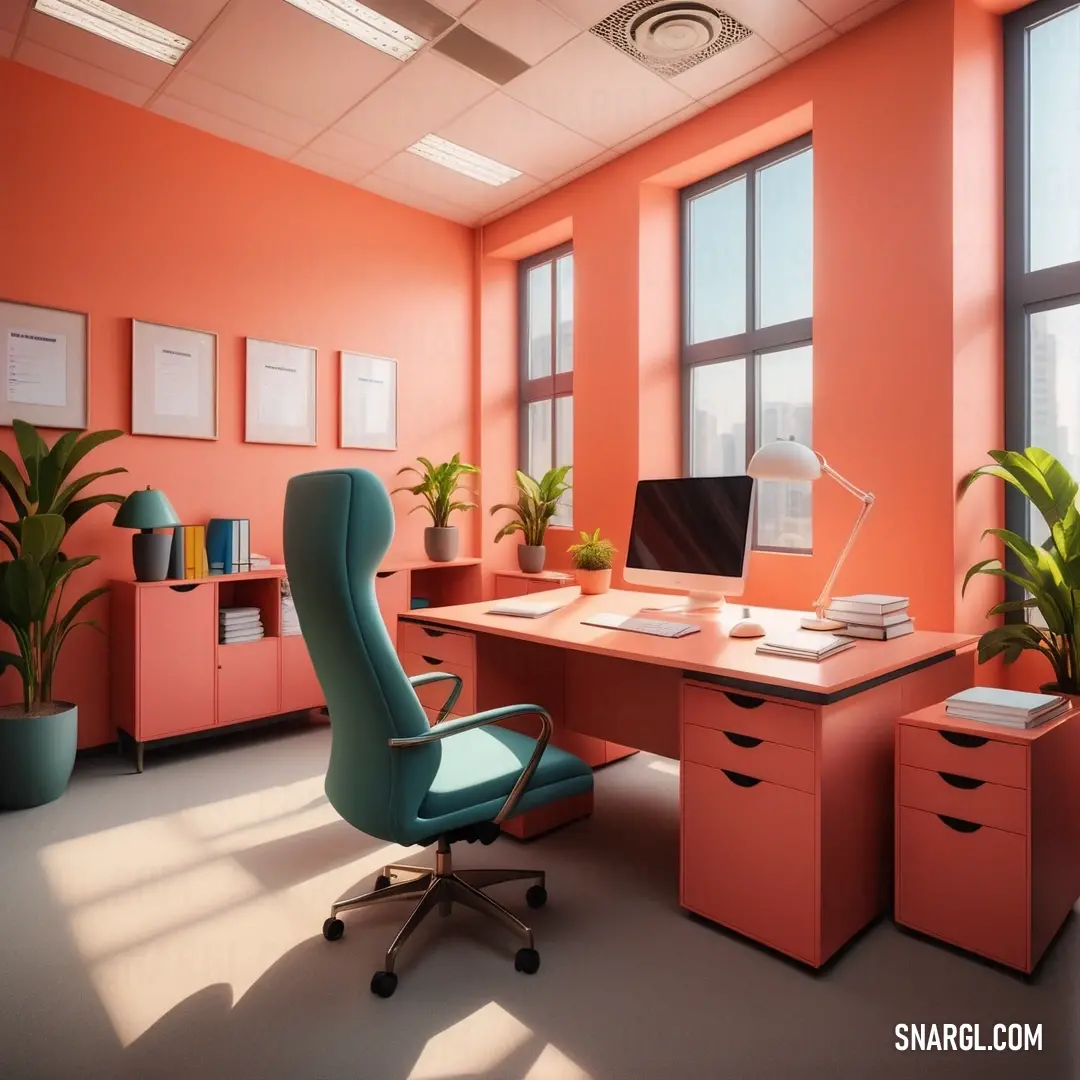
(485, 763)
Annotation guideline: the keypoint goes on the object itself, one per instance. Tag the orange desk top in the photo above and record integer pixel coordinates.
(711, 652)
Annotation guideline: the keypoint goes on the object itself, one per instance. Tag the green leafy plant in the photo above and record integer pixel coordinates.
(44, 485)
(1049, 575)
(31, 604)
(592, 553)
(536, 506)
(438, 486)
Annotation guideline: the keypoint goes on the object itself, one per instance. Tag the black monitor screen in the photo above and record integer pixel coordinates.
(695, 525)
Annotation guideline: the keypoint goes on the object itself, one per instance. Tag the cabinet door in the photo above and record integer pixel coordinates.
(392, 593)
(248, 680)
(748, 857)
(300, 687)
(507, 587)
(546, 586)
(177, 643)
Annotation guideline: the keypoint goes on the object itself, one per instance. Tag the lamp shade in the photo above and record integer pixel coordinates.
(146, 509)
(784, 459)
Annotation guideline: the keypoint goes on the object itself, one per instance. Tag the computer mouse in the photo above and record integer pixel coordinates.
(747, 628)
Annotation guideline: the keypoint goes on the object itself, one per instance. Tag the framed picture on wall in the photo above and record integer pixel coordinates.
(280, 393)
(368, 402)
(46, 366)
(174, 381)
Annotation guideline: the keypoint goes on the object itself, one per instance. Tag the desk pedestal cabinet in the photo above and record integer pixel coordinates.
(987, 832)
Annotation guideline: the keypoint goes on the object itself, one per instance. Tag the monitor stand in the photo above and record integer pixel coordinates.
(697, 603)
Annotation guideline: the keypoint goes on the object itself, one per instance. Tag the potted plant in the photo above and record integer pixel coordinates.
(39, 735)
(1049, 575)
(592, 563)
(536, 505)
(438, 486)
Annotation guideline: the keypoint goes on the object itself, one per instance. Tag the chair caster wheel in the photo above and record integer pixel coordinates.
(536, 897)
(527, 960)
(382, 882)
(332, 929)
(383, 983)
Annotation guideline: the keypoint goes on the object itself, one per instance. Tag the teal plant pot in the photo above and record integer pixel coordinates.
(37, 754)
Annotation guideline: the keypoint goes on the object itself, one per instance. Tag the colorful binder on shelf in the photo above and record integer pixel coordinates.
(176, 556)
(194, 541)
(228, 545)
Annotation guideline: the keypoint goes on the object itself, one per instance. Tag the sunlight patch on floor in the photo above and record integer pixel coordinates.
(473, 1046)
(553, 1064)
(664, 765)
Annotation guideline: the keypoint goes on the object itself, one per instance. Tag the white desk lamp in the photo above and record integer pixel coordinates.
(788, 460)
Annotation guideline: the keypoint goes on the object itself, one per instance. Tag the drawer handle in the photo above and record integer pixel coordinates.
(184, 588)
(430, 660)
(959, 824)
(433, 633)
(740, 779)
(744, 702)
(966, 782)
(743, 740)
(385, 573)
(958, 738)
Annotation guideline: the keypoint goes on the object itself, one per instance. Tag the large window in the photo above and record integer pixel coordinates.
(1042, 242)
(547, 367)
(747, 342)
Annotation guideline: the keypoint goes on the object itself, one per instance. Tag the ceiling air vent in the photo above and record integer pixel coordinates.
(670, 38)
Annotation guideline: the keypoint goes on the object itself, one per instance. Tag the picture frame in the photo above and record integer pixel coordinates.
(174, 381)
(280, 393)
(368, 416)
(46, 356)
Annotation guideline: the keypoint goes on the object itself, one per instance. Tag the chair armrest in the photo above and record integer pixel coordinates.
(491, 716)
(439, 676)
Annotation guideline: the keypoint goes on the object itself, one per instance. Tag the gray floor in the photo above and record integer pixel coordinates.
(168, 925)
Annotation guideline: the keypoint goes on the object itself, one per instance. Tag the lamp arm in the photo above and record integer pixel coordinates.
(822, 601)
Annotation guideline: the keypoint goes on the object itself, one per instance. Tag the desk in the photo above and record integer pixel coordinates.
(786, 766)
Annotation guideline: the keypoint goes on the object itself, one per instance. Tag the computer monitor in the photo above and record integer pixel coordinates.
(692, 535)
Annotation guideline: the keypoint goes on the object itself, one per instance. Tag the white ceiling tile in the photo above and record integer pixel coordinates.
(79, 44)
(597, 91)
(76, 71)
(11, 14)
(782, 23)
(419, 200)
(243, 110)
(222, 126)
(454, 7)
(453, 187)
(526, 28)
(658, 129)
(277, 54)
(736, 87)
(514, 134)
(425, 94)
(864, 15)
(832, 11)
(733, 63)
(586, 13)
(807, 47)
(328, 166)
(7, 42)
(362, 156)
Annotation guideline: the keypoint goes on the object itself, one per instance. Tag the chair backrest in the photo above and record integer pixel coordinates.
(338, 526)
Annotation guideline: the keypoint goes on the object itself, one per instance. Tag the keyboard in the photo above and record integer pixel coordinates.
(637, 625)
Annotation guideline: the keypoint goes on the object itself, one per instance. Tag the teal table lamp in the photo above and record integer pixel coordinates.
(146, 511)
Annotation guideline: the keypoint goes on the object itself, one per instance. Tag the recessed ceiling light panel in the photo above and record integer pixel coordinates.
(118, 26)
(365, 24)
(468, 162)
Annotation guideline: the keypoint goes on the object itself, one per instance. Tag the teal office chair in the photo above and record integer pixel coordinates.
(392, 774)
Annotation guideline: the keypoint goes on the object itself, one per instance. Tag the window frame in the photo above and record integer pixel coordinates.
(548, 387)
(1027, 292)
(752, 343)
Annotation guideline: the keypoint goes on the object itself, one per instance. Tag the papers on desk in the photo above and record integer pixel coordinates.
(523, 610)
(1009, 708)
(804, 645)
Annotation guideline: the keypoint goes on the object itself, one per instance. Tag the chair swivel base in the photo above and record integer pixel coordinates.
(440, 889)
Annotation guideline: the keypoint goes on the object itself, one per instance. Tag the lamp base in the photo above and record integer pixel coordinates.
(150, 553)
(821, 624)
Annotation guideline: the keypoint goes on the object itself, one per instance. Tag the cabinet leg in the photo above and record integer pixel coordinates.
(139, 757)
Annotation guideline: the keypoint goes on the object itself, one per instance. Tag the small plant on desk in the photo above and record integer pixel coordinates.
(439, 484)
(592, 563)
(538, 501)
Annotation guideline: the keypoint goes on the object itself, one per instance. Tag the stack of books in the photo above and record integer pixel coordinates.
(187, 559)
(1009, 708)
(871, 615)
(237, 624)
(804, 645)
(290, 621)
(259, 562)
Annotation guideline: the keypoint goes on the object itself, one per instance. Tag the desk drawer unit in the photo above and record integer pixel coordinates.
(434, 695)
(987, 833)
(445, 646)
(789, 725)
